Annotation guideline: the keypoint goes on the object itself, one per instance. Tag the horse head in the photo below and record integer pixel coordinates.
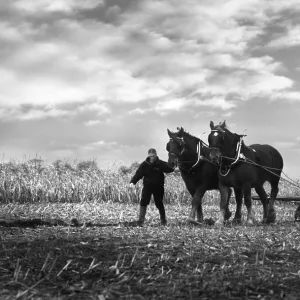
(182, 148)
(175, 148)
(222, 142)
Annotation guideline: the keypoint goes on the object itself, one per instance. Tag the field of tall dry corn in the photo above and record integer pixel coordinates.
(62, 182)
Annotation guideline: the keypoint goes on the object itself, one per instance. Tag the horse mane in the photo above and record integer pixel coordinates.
(220, 127)
(188, 134)
(191, 136)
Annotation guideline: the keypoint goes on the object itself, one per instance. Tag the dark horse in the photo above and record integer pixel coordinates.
(243, 168)
(198, 173)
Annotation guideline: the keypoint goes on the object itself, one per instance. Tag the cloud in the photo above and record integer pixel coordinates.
(290, 38)
(91, 122)
(227, 114)
(103, 145)
(78, 149)
(218, 102)
(292, 96)
(44, 6)
(9, 33)
(103, 69)
(199, 57)
(138, 111)
(170, 105)
(28, 111)
(246, 85)
(92, 105)
(161, 51)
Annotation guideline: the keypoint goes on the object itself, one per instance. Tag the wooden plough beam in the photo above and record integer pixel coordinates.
(282, 198)
(287, 198)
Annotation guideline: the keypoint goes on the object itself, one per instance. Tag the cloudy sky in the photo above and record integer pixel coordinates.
(104, 79)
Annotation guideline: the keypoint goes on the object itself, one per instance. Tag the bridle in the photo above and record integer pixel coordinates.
(238, 155)
(183, 145)
(216, 131)
(175, 156)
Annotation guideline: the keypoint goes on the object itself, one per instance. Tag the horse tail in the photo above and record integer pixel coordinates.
(277, 166)
(277, 161)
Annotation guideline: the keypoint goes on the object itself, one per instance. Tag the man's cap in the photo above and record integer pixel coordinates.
(152, 151)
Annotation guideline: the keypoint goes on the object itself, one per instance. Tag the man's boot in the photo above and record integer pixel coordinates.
(141, 220)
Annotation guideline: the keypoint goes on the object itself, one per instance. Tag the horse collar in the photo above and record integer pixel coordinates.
(224, 170)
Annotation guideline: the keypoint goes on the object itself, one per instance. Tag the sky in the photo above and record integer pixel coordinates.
(104, 79)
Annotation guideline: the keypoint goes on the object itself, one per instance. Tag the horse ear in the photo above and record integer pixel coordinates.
(212, 125)
(171, 134)
(223, 125)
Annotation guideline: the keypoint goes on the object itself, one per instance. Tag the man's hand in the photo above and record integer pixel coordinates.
(131, 185)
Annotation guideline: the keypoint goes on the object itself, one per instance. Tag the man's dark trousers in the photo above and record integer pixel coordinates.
(158, 194)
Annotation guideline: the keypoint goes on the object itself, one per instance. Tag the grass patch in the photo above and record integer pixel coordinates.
(177, 261)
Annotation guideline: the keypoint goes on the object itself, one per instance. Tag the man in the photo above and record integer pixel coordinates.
(152, 170)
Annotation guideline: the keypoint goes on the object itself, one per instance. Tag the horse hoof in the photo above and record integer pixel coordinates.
(271, 217)
(191, 221)
(250, 222)
(219, 223)
(228, 223)
(228, 215)
(209, 221)
(271, 220)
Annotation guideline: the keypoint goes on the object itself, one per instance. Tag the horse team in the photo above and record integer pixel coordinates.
(225, 163)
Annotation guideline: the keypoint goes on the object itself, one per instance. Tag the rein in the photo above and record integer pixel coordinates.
(268, 169)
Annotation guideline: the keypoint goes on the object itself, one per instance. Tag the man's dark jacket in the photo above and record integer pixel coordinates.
(153, 173)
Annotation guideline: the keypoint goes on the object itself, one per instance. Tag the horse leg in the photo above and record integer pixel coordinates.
(248, 203)
(264, 200)
(228, 212)
(239, 201)
(223, 204)
(197, 206)
(200, 213)
(274, 191)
